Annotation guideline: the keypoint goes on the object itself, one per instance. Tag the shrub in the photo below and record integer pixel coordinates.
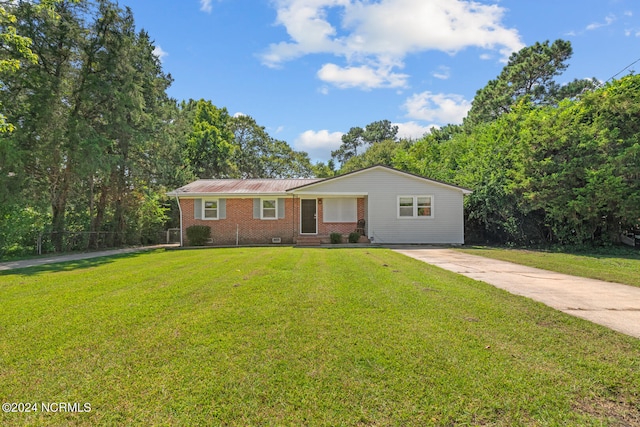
(354, 237)
(335, 238)
(198, 234)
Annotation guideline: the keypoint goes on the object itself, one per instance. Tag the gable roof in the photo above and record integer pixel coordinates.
(383, 167)
(209, 187)
(217, 187)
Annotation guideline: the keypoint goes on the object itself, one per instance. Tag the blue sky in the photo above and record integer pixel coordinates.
(309, 70)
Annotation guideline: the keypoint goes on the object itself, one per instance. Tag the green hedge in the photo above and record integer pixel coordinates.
(198, 235)
(335, 238)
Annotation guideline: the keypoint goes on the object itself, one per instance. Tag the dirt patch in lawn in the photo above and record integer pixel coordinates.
(620, 413)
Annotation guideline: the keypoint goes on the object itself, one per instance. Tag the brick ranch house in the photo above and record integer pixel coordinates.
(396, 206)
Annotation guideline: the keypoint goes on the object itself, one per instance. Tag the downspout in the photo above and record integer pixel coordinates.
(180, 209)
(294, 220)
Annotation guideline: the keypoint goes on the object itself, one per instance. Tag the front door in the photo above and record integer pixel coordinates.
(308, 215)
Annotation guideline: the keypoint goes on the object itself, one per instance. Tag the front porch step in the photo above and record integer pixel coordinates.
(308, 241)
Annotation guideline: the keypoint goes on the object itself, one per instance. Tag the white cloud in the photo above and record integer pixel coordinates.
(159, 53)
(306, 24)
(437, 108)
(205, 6)
(442, 73)
(321, 139)
(608, 20)
(318, 144)
(412, 130)
(398, 27)
(373, 38)
(363, 77)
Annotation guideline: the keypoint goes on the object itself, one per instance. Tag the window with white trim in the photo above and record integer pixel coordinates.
(210, 209)
(269, 209)
(340, 210)
(415, 206)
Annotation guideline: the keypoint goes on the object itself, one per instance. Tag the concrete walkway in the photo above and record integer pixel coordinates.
(51, 259)
(610, 304)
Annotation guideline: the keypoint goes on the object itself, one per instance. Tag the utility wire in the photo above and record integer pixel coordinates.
(620, 72)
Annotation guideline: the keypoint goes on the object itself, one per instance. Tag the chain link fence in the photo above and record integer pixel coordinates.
(80, 241)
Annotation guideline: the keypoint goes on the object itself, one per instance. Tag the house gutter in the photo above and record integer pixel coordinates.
(180, 209)
(293, 223)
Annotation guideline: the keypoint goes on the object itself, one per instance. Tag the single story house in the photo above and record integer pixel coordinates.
(396, 206)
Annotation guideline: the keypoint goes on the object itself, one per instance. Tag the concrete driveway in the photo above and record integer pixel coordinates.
(610, 304)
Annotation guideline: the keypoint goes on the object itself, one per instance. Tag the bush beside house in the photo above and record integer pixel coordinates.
(198, 235)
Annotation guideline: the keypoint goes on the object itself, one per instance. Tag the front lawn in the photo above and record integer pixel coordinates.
(289, 336)
(619, 265)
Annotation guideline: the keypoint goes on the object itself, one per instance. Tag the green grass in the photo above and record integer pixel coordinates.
(292, 337)
(614, 265)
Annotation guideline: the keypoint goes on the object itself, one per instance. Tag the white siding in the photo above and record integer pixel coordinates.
(383, 225)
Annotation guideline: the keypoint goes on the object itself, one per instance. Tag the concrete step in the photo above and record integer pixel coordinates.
(308, 241)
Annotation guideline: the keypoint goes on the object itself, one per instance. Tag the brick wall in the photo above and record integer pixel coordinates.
(239, 215)
(326, 228)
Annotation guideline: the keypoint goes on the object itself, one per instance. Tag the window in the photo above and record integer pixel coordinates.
(406, 207)
(210, 209)
(269, 209)
(424, 206)
(415, 207)
(340, 210)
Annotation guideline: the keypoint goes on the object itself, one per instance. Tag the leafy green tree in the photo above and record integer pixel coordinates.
(563, 174)
(571, 90)
(357, 137)
(209, 142)
(350, 143)
(252, 145)
(282, 161)
(45, 99)
(97, 141)
(582, 169)
(324, 170)
(379, 131)
(14, 49)
(258, 155)
(378, 153)
(130, 88)
(87, 111)
(529, 72)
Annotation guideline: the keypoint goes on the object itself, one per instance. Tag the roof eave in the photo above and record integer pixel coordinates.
(465, 191)
(253, 195)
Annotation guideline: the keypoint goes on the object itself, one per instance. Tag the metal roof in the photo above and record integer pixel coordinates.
(241, 186)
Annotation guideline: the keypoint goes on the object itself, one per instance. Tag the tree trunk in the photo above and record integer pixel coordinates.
(96, 221)
(58, 207)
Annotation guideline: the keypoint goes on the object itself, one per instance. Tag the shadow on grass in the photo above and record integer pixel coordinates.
(624, 252)
(615, 252)
(57, 266)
